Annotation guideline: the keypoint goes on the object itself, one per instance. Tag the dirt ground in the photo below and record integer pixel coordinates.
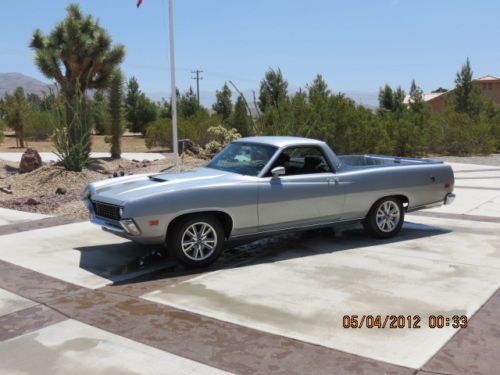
(130, 143)
(36, 191)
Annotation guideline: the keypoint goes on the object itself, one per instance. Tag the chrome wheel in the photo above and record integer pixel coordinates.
(388, 216)
(199, 241)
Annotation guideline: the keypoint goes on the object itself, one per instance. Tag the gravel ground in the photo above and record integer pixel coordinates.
(36, 191)
(493, 159)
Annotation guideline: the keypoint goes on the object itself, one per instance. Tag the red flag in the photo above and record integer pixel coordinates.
(139, 2)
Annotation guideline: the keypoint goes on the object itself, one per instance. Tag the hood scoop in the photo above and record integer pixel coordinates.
(157, 179)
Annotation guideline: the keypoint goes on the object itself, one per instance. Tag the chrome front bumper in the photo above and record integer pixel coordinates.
(450, 197)
(109, 227)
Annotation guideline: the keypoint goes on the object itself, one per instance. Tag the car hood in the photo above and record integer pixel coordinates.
(123, 189)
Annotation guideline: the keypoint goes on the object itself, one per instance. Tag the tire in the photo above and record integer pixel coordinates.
(189, 247)
(386, 217)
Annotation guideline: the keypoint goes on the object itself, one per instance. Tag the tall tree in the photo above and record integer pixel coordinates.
(467, 98)
(188, 104)
(116, 112)
(223, 104)
(318, 90)
(131, 104)
(79, 55)
(416, 98)
(16, 112)
(240, 119)
(99, 112)
(147, 112)
(398, 100)
(386, 98)
(139, 110)
(273, 90)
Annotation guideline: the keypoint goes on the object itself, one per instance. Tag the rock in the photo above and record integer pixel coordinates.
(115, 174)
(6, 190)
(122, 173)
(135, 160)
(61, 191)
(188, 145)
(32, 202)
(30, 161)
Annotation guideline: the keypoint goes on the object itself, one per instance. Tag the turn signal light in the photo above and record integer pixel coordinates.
(153, 222)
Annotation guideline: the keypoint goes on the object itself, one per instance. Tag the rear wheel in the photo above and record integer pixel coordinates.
(385, 218)
(196, 241)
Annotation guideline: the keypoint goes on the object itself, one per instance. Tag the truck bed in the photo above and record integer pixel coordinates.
(372, 161)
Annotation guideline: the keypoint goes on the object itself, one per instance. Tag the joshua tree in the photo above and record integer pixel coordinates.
(116, 112)
(78, 54)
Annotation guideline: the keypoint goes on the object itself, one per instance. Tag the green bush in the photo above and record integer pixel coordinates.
(159, 133)
(195, 128)
(40, 125)
(2, 129)
(463, 135)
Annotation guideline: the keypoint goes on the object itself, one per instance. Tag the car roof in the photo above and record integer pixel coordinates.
(280, 141)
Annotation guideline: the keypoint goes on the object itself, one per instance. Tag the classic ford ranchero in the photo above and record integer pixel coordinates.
(260, 186)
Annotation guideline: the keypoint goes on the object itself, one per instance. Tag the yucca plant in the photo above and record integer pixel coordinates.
(73, 150)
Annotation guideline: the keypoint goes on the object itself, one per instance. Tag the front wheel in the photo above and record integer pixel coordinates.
(196, 241)
(385, 218)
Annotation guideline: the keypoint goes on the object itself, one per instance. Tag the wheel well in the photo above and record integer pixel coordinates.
(404, 200)
(224, 218)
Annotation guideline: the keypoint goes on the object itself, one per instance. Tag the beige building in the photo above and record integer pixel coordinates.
(489, 86)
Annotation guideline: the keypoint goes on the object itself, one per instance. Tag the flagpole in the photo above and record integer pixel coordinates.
(172, 82)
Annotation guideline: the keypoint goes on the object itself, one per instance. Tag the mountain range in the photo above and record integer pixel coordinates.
(9, 82)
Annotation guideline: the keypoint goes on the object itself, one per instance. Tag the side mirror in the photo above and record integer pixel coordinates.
(278, 171)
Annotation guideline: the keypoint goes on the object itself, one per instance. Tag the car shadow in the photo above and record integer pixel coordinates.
(129, 263)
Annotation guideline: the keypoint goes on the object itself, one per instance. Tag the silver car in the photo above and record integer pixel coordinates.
(260, 186)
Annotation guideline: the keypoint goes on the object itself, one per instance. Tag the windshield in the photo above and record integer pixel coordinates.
(243, 158)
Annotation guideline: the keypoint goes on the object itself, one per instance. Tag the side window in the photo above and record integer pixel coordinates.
(302, 160)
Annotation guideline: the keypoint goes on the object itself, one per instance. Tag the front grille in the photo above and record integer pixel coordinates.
(106, 210)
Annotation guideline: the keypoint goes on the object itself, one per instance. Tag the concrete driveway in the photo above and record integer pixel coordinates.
(74, 299)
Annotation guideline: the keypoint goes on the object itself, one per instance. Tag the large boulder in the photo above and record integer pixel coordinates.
(30, 161)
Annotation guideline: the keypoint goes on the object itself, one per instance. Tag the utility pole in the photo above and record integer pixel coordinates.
(197, 77)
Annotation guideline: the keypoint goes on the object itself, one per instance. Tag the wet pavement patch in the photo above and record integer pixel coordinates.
(303, 292)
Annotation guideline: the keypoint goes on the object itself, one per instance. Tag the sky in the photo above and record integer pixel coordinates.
(357, 45)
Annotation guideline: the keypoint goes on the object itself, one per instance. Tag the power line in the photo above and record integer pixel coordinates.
(197, 78)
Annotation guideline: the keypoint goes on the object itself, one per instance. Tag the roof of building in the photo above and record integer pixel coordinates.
(426, 96)
(280, 141)
(433, 95)
(488, 77)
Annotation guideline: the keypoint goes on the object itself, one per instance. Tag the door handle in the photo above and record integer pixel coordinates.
(333, 180)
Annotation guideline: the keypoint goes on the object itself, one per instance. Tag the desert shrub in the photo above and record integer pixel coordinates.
(72, 140)
(40, 125)
(196, 128)
(220, 138)
(159, 133)
(464, 135)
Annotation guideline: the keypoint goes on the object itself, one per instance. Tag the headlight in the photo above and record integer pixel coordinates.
(130, 226)
(120, 212)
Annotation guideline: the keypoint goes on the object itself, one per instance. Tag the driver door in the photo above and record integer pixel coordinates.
(308, 193)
